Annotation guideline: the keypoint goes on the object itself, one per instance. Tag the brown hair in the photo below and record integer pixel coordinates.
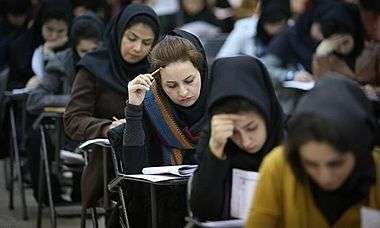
(172, 49)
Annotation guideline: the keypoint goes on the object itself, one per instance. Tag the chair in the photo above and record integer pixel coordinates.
(48, 121)
(84, 148)
(213, 45)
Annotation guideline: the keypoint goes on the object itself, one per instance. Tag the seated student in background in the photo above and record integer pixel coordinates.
(328, 167)
(343, 41)
(54, 91)
(163, 121)
(246, 123)
(251, 36)
(31, 51)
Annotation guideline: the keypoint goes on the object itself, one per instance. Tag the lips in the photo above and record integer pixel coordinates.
(185, 100)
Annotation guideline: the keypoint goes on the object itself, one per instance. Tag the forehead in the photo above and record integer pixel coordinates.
(247, 117)
(141, 30)
(56, 24)
(319, 152)
(87, 43)
(178, 71)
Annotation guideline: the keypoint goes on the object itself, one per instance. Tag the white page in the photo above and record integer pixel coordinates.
(299, 85)
(234, 223)
(153, 178)
(370, 218)
(95, 141)
(243, 189)
(173, 169)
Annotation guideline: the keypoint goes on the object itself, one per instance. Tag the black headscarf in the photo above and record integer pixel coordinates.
(193, 116)
(344, 106)
(88, 19)
(272, 13)
(247, 77)
(345, 18)
(107, 64)
(299, 42)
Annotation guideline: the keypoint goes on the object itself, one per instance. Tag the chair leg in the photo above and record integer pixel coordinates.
(6, 174)
(94, 216)
(83, 217)
(123, 206)
(11, 181)
(48, 182)
(18, 164)
(153, 203)
(41, 197)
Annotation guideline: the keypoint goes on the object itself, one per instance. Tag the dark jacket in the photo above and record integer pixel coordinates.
(247, 78)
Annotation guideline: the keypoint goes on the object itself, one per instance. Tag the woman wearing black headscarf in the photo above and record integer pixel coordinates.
(164, 118)
(246, 123)
(49, 32)
(100, 87)
(328, 168)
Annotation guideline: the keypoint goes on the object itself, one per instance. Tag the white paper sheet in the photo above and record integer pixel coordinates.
(370, 218)
(154, 178)
(299, 85)
(179, 170)
(243, 189)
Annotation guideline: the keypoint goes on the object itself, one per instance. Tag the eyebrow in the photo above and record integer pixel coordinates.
(183, 79)
(148, 39)
(248, 124)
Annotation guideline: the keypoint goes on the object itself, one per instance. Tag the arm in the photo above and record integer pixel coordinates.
(133, 155)
(79, 119)
(267, 201)
(46, 93)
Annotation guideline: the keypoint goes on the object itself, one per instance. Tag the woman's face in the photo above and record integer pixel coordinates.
(315, 32)
(250, 132)
(274, 28)
(85, 46)
(181, 81)
(136, 43)
(298, 6)
(54, 30)
(326, 166)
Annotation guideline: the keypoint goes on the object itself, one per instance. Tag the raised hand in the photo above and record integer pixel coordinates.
(137, 88)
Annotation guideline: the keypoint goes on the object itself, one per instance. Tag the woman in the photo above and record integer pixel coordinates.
(246, 123)
(343, 41)
(328, 168)
(48, 35)
(100, 87)
(165, 116)
(251, 36)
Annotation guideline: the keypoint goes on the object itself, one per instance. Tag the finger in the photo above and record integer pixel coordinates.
(141, 81)
(226, 117)
(147, 78)
(135, 88)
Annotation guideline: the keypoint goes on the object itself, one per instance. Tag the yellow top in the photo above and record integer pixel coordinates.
(281, 201)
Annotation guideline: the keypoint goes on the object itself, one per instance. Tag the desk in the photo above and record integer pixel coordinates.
(118, 181)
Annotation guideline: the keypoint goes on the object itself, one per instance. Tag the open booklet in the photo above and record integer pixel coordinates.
(178, 170)
(299, 85)
(243, 188)
(370, 218)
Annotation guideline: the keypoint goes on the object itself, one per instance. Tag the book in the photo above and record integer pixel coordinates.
(152, 178)
(243, 189)
(370, 218)
(178, 170)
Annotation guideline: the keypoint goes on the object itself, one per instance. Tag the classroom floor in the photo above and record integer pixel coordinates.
(13, 219)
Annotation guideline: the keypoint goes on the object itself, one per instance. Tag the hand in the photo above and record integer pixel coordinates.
(303, 76)
(138, 87)
(222, 128)
(33, 82)
(112, 125)
(334, 43)
(51, 45)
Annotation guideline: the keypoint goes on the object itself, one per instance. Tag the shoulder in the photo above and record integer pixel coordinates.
(276, 158)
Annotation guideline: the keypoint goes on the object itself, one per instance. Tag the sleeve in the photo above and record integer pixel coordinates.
(232, 45)
(267, 201)
(79, 119)
(208, 186)
(47, 92)
(134, 153)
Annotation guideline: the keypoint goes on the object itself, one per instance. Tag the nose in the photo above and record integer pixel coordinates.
(246, 140)
(324, 177)
(182, 91)
(138, 47)
(54, 35)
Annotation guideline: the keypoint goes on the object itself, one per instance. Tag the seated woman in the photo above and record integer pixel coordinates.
(328, 167)
(164, 115)
(246, 123)
(343, 41)
(251, 36)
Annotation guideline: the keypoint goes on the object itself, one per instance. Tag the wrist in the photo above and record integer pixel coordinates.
(217, 150)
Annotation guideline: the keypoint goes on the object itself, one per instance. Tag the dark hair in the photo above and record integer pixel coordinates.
(230, 105)
(17, 7)
(146, 20)
(55, 14)
(172, 49)
(304, 128)
(370, 5)
(85, 30)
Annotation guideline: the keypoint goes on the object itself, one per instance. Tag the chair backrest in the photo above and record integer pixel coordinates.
(4, 75)
(116, 141)
(213, 45)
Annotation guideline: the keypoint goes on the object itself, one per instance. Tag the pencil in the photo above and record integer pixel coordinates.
(114, 118)
(155, 72)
